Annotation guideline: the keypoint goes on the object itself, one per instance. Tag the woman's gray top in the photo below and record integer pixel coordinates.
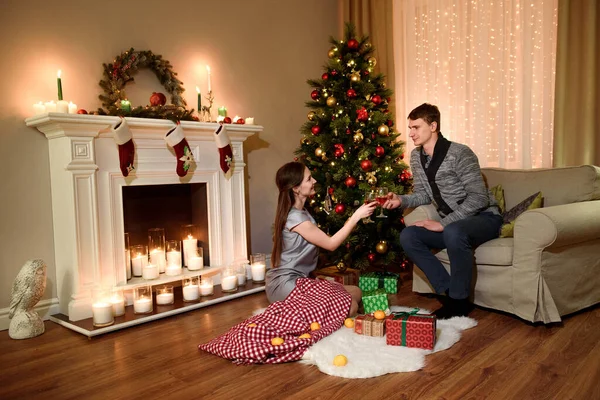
(298, 258)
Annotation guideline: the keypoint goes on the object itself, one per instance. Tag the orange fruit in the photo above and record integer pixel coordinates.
(304, 336)
(340, 360)
(379, 314)
(252, 325)
(349, 323)
(315, 326)
(276, 341)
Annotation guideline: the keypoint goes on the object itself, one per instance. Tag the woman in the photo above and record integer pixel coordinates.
(297, 237)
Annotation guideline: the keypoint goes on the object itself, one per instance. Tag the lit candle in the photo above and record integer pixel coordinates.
(126, 105)
(39, 108)
(118, 305)
(150, 271)
(191, 293)
(222, 111)
(209, 83)
(59, 83)
(258, 272)
(102, 313)
(229, 282)
(50, 106)
(143, 305)
(199, 98)
(72, 108)
(62, 106)
(138, 263)
(157, 257)
(250, 121)
(206, 288)
(195, 263)
(173, 270)
(190, 247)
(174, 258)
(241, 278)
(164, 298)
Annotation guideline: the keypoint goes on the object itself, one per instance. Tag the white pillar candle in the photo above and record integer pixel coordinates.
(191, 293)
(142, 305)
(190, 247)
(138, 264)
(50, 106)
(118, 305)
(173, 270)
(206, 289)
(248, 271)
(72, 108)
(229, 282)
(241, 278)
(157, 257)
(39, 108)
(102, 313)
(250, 121)
(258, 272)
(164, 298)
(128, 264)
(195, 263)
(174, 258)
(150, 271)
(62, 106)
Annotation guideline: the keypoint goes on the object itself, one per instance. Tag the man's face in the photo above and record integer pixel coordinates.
(420, 131)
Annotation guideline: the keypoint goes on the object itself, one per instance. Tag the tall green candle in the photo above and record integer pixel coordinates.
(59, 83)
(222, 111)
(199, 99)
(126, 105)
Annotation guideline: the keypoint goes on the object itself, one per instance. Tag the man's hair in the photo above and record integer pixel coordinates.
(428, 112)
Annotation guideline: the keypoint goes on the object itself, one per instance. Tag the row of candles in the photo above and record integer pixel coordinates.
(108, 304)
(60, 106)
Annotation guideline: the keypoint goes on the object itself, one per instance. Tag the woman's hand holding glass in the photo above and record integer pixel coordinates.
(370, 198)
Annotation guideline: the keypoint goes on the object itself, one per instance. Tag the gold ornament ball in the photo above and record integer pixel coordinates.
(319, 152)
(331, 101)
(341, 266)
(383, 130)
(381, 247)
(331, 53)
(372, 61)
(372, 180)
(358, 137)
(355, 77)
(312, 115)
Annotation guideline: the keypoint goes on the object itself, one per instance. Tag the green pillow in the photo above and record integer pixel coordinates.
(498, 193)
(531, 203)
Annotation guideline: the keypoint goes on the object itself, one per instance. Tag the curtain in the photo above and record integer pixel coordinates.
(489, 65)
(577, 83)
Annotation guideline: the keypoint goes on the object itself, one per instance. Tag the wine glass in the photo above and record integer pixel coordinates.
(381, 196)
(369, 197)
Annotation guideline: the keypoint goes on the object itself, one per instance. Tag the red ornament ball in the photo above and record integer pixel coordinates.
(379, 151)
(81, 111)
(350, 181)
(340, 208)
(240, 121)
(227, 120)
(371, 257)
(376, 99)
(351, 93)
(315, 130)
(158, 99)
(353, 44)
(330, 190)
(366, 165)
(334, 72)
(315, 94)
(325, 76)
(348, 131)
(390, 123)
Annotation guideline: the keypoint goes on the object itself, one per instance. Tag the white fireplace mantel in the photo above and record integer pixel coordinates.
(86, 185)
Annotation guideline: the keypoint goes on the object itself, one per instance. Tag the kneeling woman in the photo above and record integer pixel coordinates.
(297, 238)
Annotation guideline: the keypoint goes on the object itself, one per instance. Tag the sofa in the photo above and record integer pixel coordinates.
(551, 267)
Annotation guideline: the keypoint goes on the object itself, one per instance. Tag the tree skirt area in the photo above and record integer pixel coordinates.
(371, 356)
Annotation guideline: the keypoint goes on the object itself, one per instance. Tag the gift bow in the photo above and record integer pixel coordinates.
(383, 275)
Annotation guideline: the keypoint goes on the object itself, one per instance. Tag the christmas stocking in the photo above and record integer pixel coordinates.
(176, 140)
(123, 138)
(225, 152)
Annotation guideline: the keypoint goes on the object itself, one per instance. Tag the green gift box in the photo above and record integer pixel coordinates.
(377, 280)
(375, 300)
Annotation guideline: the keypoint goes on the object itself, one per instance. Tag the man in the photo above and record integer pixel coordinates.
(447, 175)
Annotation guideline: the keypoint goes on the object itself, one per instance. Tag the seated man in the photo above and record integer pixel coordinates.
(447, 175)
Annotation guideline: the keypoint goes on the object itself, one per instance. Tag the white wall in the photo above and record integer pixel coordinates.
(261, 52)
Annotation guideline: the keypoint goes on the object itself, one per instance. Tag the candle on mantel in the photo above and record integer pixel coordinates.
(250, 121)
(206, 287)
(229, 283)
(126, 105)
(190, 247)
(191, 293)
(118, 304)
(208, 77)
(199, 98)
(72, 108)
(222, 111)
(62, 106)
(195, 263)
(164, 295)
(59, 83)
(150, 271)
(258, 272)
(174, 258)
(143, 305)
(39, 108)
(50, 106)
(173, 270)
(138, 263)
(157, 257)
(102, 313)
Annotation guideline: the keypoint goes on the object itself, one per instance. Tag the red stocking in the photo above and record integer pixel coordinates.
(225, 152)
(185, 158)
(123, 138)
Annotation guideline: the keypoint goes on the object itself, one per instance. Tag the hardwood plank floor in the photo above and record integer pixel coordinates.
(502, 358)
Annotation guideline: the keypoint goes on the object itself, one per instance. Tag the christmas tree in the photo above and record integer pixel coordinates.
(351, 147)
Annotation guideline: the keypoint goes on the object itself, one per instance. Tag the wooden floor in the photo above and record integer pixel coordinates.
(502, 358)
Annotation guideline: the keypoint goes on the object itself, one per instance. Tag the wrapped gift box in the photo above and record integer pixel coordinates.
(379, 280)
(378, 327)
(362, 324)
(348, 277)
(411, 330)
(375, 300)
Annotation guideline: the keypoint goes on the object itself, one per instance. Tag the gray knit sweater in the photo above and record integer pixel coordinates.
(460, 183)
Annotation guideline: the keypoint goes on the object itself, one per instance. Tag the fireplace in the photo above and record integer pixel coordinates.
(93, 205)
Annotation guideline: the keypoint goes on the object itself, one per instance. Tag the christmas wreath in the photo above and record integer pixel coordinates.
(119, 73)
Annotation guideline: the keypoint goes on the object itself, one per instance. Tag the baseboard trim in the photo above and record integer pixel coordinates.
(45, 308)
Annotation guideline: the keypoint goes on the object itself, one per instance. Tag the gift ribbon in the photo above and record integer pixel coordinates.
(404, 316)
(382, 276)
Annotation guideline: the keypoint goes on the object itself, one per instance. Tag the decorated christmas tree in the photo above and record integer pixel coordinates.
(352, 149)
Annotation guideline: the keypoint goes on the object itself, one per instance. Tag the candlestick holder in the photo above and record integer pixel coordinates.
(206, 115)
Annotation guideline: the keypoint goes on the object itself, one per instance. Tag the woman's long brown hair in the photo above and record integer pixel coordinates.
(287, 178)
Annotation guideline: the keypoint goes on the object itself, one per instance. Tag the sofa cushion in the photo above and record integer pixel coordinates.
(495, 252)
(498, 193)
(531, 203)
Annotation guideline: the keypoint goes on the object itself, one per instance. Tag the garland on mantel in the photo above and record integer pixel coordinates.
(119, 73)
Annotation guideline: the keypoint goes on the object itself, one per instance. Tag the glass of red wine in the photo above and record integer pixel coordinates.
(369, 198)
(381, 197)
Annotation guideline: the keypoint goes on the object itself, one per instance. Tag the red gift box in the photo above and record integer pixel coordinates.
(362, 324)
(348, 277)
(411, 330)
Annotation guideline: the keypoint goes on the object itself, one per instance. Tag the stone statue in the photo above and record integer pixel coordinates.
(28, 288)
